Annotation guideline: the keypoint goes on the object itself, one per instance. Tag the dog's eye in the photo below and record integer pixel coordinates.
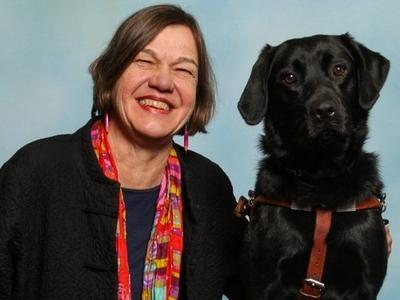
(289, 78)
(339, 70)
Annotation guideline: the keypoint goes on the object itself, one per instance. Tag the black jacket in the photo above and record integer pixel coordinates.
(58, 216)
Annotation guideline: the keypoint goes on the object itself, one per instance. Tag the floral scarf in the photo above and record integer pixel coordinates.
(164, 249)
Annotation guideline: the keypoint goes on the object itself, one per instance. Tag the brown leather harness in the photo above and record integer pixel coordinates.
(312, 286)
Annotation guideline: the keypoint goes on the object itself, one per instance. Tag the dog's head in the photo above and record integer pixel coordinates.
(314, 94)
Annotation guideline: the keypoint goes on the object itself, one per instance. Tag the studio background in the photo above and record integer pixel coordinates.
(45, 88)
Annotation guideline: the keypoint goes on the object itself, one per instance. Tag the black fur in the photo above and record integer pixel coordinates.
(314, 95)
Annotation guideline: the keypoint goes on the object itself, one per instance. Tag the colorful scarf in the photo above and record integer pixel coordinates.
(164, 250)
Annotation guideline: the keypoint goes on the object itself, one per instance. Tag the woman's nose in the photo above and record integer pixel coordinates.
(162, 80)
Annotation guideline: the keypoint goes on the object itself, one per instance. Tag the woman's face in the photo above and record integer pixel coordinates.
(156, 94)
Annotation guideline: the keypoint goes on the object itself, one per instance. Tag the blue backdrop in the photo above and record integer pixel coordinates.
(45, 88)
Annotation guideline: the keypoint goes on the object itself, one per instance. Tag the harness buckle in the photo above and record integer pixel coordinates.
(312, 288)
(244, 206)
(381, 197)
(252, 196)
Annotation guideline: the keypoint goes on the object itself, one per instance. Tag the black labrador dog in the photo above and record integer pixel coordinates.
(314, 95)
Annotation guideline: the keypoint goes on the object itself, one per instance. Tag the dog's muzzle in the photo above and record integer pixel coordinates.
(325, 114)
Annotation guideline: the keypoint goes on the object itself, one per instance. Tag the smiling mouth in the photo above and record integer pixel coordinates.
(154, 104)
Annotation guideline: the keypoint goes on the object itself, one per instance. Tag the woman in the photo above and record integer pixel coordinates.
(117, 210)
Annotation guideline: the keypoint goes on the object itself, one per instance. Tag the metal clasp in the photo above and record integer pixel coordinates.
(314, 284)
(381, 197)
(252, 196)
(244, 206)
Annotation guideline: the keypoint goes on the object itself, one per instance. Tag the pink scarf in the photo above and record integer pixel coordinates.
(164, 249)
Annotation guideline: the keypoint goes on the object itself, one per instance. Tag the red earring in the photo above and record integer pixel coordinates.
(106, 121)
(186, 139)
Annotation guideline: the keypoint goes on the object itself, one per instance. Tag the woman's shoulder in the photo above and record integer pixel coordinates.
(44, 152)
(196, 161)
(199, 168)
(35, 156)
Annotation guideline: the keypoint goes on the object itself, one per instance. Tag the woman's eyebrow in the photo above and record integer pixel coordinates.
(181, 59)
(187, 60)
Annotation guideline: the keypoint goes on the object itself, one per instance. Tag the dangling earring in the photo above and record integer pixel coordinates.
(106, 121)
(186, 138)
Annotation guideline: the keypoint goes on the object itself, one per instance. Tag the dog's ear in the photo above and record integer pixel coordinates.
(372, 71)
(254, 99)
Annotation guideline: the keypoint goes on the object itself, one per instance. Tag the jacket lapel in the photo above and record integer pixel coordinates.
(192, 199)
(100, 209)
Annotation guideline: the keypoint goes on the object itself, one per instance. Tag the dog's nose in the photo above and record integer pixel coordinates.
(324, 110)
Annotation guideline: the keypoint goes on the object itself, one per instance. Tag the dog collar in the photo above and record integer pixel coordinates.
(309, 176)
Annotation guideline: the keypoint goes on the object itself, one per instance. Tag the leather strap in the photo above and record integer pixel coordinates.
(312, 285)
(368, 203)
(244, 207)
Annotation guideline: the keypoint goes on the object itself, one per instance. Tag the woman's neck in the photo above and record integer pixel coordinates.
(139, 166)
